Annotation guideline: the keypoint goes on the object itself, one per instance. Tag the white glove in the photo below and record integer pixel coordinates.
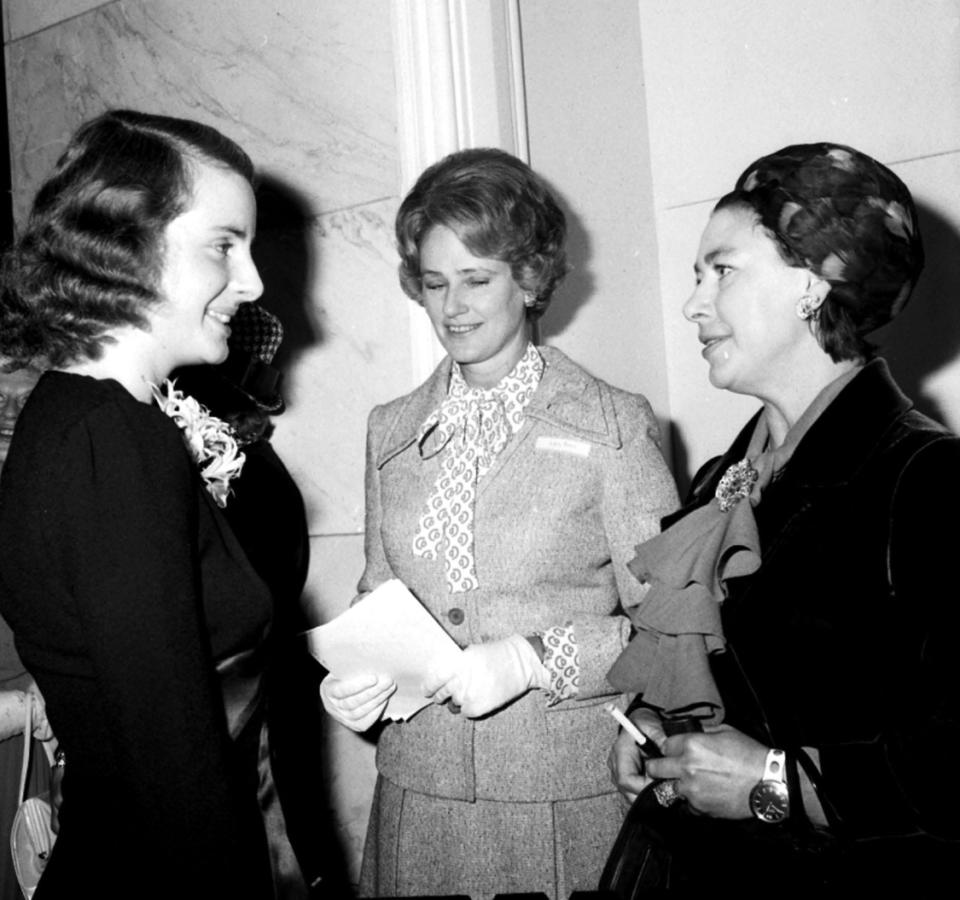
(487, 676)
(358, 701)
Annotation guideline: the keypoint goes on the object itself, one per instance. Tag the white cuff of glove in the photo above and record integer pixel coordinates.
(492, 674)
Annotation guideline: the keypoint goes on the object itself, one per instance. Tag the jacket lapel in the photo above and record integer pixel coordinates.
(412, 413)
(566, 400)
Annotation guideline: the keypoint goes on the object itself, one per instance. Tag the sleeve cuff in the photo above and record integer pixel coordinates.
(561, 659)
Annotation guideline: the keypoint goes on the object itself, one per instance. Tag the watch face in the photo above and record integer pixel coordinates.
(770, 801)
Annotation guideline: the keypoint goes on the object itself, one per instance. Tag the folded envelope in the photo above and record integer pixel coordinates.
(388, 632)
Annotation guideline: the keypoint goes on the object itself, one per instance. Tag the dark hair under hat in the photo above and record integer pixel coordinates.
(851, 221)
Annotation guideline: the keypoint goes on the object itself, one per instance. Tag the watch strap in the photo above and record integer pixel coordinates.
(770, 796)
(775, 766)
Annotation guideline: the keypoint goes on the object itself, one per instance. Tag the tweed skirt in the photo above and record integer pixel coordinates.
(422, 845)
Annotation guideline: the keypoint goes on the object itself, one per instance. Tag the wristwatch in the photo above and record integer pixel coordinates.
(769, 797)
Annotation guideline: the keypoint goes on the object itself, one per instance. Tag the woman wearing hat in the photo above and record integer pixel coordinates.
(802, 603)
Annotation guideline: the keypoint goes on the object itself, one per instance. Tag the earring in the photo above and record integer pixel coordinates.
(807, 307)
(528, 299)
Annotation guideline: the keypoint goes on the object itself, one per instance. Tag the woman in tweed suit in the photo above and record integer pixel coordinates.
(507, 492)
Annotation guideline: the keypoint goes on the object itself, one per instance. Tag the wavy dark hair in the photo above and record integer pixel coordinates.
(850, 220)
(91, 255)
(499, 208)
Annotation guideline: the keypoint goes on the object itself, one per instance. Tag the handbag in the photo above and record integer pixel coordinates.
(641, 860)
(672, 848)
(676, 849)
(31, 837)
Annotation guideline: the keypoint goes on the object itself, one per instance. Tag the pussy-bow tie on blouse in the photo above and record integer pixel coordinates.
(468, 430)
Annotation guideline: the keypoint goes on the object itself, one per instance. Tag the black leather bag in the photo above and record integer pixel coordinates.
(674, 849)
(640, 860)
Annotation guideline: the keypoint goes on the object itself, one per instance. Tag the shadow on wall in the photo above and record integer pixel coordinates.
(926, 336)
(286, 257)
(679, 460)
(577, 288)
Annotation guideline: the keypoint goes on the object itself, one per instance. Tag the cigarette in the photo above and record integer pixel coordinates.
(646, 744)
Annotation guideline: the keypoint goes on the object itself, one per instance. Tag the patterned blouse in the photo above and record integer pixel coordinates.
(467, 431)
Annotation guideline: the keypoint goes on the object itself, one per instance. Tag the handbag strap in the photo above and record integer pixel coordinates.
(27, 743)
(27, 734)
(796, 756)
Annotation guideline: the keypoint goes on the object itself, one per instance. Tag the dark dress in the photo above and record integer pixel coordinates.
(845, 641)
(268, 517)
(125, 587)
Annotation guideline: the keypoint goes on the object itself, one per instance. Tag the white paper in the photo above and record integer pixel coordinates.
(388, 632)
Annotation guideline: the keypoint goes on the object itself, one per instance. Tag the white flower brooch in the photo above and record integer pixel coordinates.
(210, 440)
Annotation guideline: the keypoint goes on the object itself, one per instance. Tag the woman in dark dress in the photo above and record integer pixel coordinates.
(132, 603)
(802, 603)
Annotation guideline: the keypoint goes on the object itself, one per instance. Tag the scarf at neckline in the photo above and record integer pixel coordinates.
(687, 567)
(467, 431)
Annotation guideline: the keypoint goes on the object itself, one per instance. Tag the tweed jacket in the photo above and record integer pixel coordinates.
(845, 639)
(556, 519)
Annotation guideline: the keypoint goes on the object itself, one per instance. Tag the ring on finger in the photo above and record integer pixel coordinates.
(667, 792)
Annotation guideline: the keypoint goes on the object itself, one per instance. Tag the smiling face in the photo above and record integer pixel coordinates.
(477, 310)
(744, 307)
(208, 271)
(15, 387)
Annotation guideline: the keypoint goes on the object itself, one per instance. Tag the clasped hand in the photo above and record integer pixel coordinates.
(357, 701)
(714, 770)
(487, 676)
(481, 679)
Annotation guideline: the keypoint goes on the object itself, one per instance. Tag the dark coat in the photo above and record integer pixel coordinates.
(124, 586)
(846, 635)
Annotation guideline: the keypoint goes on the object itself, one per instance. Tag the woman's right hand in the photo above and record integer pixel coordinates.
(357, 701)
(625, 760)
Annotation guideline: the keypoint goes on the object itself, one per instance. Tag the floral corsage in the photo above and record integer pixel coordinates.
(210, 440)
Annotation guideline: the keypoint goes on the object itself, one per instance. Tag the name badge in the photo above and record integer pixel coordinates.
(564, 445)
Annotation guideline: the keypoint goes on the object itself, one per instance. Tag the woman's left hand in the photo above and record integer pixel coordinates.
(715, 770)
(487, 676)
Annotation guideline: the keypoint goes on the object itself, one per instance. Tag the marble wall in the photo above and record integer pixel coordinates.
(307, 88)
